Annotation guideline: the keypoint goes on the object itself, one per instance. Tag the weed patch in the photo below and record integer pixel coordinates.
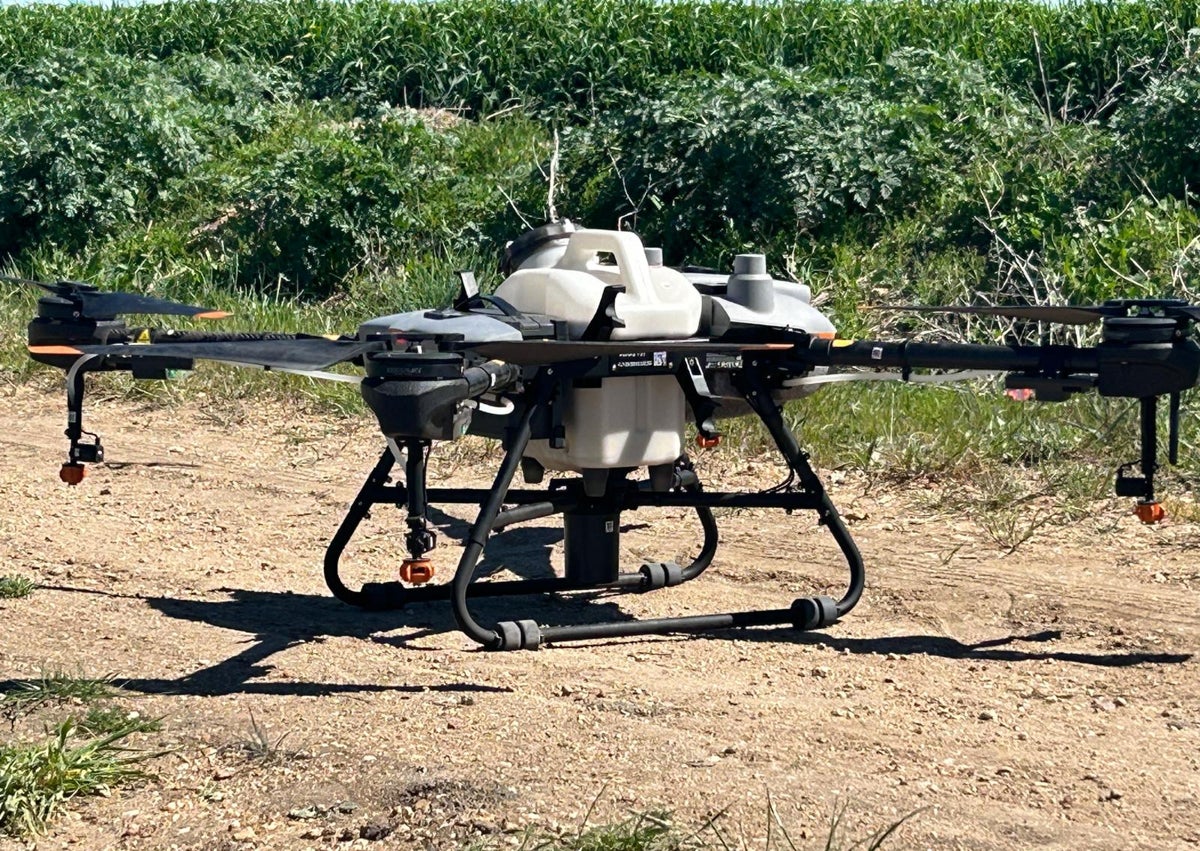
(39, 779)
(657, 831)
(15, 587)
(264, 747)
(53, 689)
(109, 720)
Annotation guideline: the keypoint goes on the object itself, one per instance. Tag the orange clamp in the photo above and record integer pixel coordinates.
(708, 442)
(72, 473)
(417, 571)
(1149, 512)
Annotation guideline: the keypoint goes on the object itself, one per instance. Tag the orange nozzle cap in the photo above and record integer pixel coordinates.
(72, 473)
(418, 571)
(708, 442)
(1149, 512)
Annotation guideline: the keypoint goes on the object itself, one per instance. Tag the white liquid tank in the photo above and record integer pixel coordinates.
(631, 421)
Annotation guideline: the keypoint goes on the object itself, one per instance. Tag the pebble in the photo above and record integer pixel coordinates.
(245, 834)
(987, 715)
(373, 832)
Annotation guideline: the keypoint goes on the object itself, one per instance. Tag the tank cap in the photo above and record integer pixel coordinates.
(750, 285)
(750, 264)
(520, 248)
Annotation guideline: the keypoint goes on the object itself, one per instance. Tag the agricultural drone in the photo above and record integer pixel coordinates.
(587, 362)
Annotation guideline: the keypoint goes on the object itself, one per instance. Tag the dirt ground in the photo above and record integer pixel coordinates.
(1047, 698)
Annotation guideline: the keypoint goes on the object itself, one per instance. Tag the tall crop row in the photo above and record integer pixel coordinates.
(574, 54)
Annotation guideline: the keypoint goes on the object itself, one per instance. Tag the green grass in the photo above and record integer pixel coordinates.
(107, 720)
(54, 689)
(14, 587)
(37, 780)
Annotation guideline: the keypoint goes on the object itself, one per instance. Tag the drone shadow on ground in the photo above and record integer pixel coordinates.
(991, 650)
(277, 621)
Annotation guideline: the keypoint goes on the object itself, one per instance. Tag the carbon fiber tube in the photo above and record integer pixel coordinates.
(914, 355)
(482, 527)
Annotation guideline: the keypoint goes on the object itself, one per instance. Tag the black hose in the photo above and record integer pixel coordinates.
(524, 513)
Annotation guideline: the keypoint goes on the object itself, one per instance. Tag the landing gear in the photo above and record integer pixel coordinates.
(591, 524)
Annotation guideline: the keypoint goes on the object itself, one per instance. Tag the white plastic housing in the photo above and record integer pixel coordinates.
(626, 422)
(658, 303)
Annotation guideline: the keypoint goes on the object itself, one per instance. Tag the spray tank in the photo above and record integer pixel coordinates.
(606, 286)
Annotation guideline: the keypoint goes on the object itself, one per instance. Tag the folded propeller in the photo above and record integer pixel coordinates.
(1068, 314)
(88, 302)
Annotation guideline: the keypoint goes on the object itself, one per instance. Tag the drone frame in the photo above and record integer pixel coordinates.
(426, 385)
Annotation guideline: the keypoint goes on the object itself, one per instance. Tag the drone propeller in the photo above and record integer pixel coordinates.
(1065, 314)
(94, 304)
(291, 353)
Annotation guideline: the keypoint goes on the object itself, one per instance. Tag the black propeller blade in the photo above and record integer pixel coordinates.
(1066, 314)
(299, 353)
(95, 304)
(1069, 315)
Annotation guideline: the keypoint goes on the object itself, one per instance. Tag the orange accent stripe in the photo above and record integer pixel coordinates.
(53, 350)
(213, 314)
(825, 335)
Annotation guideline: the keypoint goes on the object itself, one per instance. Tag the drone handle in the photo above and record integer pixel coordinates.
(584, 245)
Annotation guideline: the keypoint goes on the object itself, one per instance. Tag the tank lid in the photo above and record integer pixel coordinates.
(520, 248)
